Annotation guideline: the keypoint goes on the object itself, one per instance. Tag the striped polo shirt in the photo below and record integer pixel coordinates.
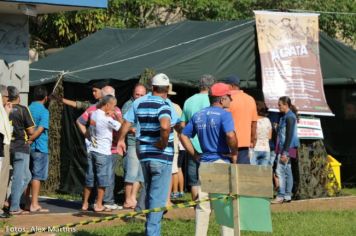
(148, 114)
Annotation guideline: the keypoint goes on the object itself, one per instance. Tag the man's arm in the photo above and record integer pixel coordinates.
(185, 137)
(290, 123)
(36, 133)
(121, 145)
(70, 103)
(253, 134)
(231, 141)
(187, 144)
(165, 123)
(28, 122)
(30, 131)
(83, 105)
(82, 128)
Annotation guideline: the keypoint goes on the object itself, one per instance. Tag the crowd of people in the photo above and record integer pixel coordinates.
(220, 124)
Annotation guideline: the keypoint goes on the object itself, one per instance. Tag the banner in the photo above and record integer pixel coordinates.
(289, 50)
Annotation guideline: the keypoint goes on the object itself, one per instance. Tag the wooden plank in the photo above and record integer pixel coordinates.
(235, 203)
(215, 177)
(255, 181)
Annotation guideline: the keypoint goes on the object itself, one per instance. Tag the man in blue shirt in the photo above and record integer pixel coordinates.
(214, 127)
(130, 118)
(39, 146)
(153, 115)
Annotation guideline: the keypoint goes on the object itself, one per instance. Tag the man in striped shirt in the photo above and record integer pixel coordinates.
(154, 116)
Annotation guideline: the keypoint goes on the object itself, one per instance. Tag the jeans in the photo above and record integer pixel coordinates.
(285, 177)
(132, 166)
(243, 157)
(21, 176)
(109, 191)
(260, 158)
(98, 170)
(39, 165)
(193, 171)
(272, 158)
(157, 181)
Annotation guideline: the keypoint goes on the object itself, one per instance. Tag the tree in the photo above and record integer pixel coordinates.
(63, 29)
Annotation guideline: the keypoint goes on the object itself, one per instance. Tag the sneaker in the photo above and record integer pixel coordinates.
(174, 195)
(277, 200)
(113, 206)
(180, 194)
(4, 214)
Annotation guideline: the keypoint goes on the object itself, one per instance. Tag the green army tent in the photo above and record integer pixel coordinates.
(185, 51)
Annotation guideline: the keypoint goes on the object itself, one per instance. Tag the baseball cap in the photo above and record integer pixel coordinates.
(170, 90)
(219, 90)
(160, 80)
(232, 79)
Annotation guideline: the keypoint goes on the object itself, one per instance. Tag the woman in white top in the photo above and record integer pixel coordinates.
(261, 153)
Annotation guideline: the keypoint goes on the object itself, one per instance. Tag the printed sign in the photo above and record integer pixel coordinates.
(310, 128)
(289, 51)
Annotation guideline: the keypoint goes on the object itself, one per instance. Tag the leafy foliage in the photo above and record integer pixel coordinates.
(63, 29)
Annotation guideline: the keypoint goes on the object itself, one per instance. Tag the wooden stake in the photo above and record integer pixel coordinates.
(234, 187)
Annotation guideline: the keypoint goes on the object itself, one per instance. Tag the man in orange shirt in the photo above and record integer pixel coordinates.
(244, 113)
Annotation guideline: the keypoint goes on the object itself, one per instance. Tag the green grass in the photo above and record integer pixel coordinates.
(348, 191)
(331, 223)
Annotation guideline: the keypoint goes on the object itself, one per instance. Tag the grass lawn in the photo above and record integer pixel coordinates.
(296, 224)
(186, 197)
(348, 191)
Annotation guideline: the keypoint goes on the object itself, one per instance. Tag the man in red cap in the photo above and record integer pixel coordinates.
(214, 127)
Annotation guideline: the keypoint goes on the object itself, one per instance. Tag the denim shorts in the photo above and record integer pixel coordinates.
(99, 170)
(181, 158)
(132, 166)
(260, 158)
(243, 157)
(39, 165)
(193, 171)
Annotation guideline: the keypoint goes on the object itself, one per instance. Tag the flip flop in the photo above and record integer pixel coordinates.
(39, 210)
(128, 207)
(104, 209)
(19, 212)
(84, 209)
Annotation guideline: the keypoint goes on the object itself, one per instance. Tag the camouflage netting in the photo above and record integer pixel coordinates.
(146, 76)
(55, 125)
(316, 177)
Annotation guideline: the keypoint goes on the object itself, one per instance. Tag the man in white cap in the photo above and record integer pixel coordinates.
(154, 116)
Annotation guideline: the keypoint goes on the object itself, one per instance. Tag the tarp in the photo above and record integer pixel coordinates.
(184, 51)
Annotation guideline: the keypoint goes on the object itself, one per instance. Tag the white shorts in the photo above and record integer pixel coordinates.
(175, 163)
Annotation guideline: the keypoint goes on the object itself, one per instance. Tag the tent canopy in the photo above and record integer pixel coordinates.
(184, 51)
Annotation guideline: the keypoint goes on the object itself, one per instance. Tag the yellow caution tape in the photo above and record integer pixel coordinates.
(124, 215)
